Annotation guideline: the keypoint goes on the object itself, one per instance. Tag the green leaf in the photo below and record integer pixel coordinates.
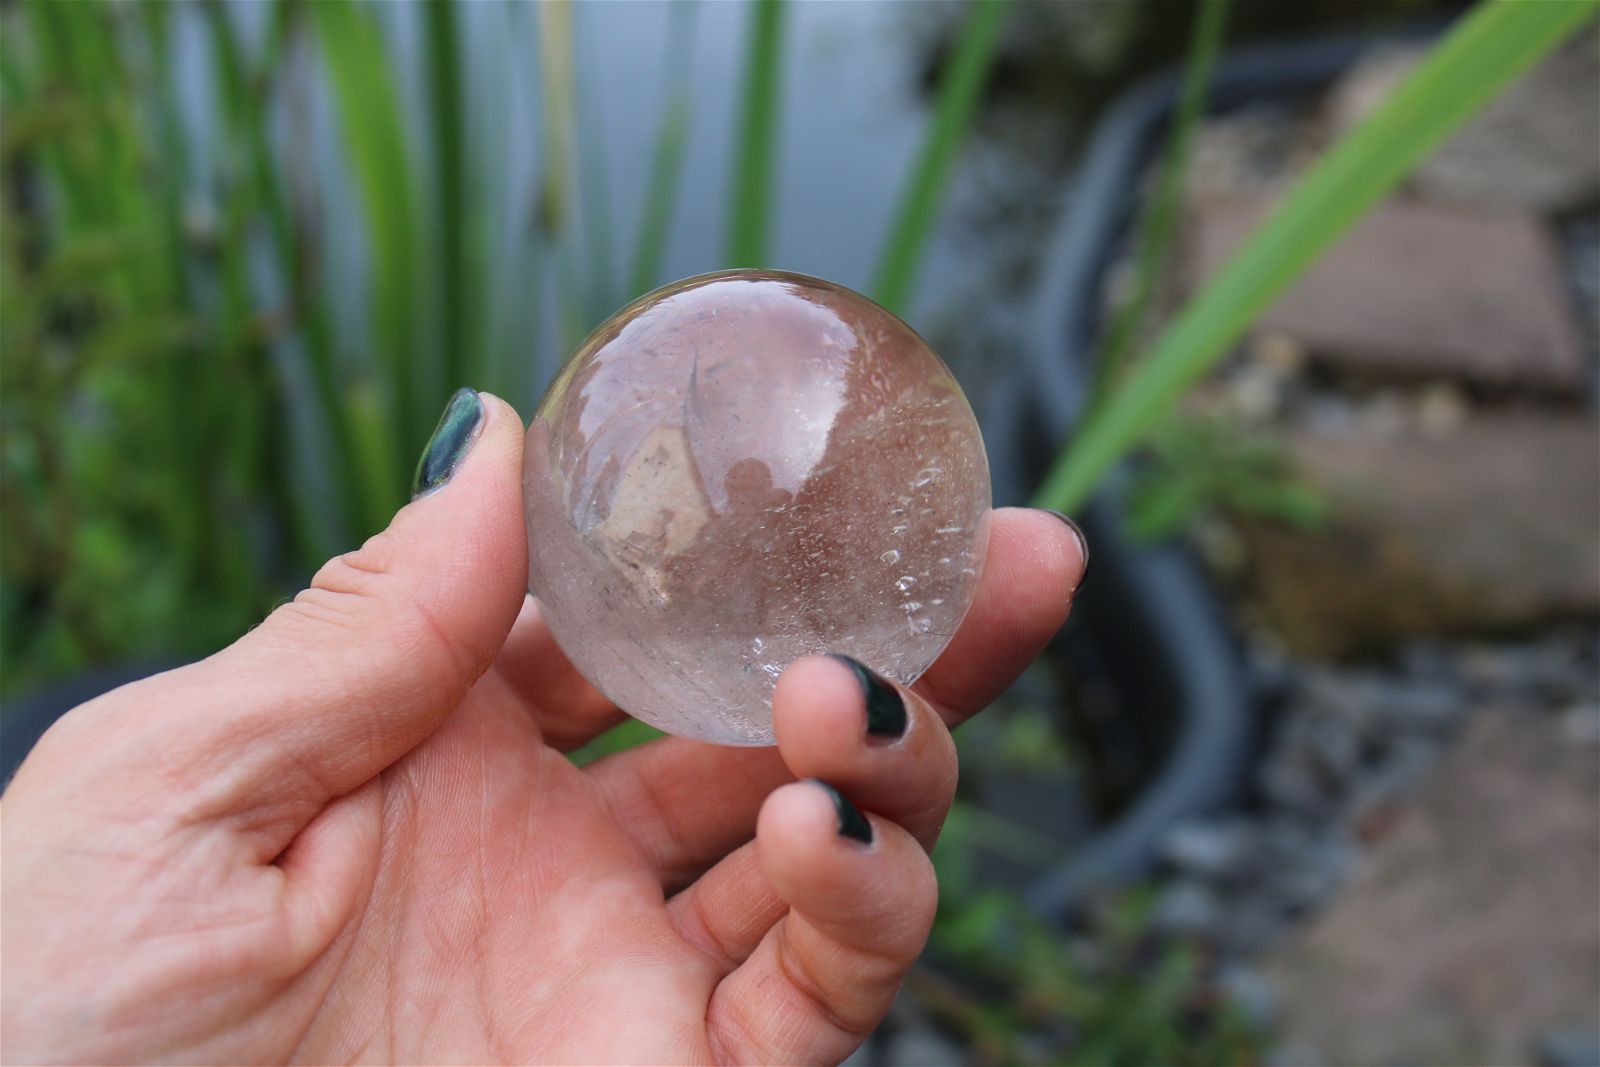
(450, 181)
(1159, 226)
(364, 85)
(750, 206)
(919, 202)
(1488, 47)
(666, 165)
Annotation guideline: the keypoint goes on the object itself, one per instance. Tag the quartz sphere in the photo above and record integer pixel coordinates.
(741, 469)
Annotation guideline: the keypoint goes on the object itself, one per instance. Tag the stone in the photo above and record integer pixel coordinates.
(1250, 994)
(1533, 147)
(1212, 848)
(1188, 908)
(742, 469)
(1569, 1048)
(1492, 528)
(1471, 928)
(1417, 291)
(921, 1046)
(1260, 148)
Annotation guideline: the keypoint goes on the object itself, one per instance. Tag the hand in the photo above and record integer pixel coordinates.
(353, 835)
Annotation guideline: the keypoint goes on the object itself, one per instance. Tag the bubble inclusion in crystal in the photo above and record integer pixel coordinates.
(741, 469)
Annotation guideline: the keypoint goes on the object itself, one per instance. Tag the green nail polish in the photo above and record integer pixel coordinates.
(886, 708)
(452, 439)
(1077, 531)
(852, 823)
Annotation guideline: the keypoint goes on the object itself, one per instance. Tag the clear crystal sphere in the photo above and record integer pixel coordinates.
(745, 468)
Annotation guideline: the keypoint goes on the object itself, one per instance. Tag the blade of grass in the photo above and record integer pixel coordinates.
(449, 175)
(594, 200)
(1481, 53)
(1160, 224)
(558, 217)
(918, 208)
(244, 108)
(365, 89)
(666, 164)
(750, 206)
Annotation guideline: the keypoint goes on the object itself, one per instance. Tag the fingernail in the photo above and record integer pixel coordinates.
(452, 439)
(852, 823)
(1077, 531)
(886, 708)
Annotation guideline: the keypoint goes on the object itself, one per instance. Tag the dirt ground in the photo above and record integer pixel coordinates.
(1474, 925)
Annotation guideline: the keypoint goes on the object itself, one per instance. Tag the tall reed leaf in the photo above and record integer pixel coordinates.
(358, 66)
(243, 107)
(919, 203)
(1159, 225)
(1483, 51)
(666, 165)
(560, 203)
(750, 211)
(449, 180)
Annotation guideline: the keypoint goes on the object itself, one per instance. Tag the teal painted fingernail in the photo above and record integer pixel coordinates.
(886, 708)
(452, 439)
(852, 823)
(1077, 531)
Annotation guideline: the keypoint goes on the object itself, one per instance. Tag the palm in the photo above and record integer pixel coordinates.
(512, 918)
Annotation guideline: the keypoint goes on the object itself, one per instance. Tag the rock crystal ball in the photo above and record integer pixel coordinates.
(745, 468)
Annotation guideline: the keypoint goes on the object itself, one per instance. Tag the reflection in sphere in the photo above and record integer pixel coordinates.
(745, 468)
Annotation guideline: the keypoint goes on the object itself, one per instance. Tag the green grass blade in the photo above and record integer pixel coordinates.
(449, 176)
(244, 110)
(594, 202)
(559, 211)
(1160, 224)
(365, 89)
(666, 165)
(750, 207)
(1482, 52)
(919, 203)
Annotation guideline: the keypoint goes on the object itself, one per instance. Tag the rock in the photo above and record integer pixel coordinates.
(1188, 908)
(1533, 147)
(1251, 994)
(1209, 849)
(922, 1046)
(1301, 881)
(1556, 670)
(1295, 1054)
(1580, 724)
(1471, 927)
(1257, 149)
(1420, 291)
(1569, 1048)
(1489, 529)
(1423, 705)
(1580, 243)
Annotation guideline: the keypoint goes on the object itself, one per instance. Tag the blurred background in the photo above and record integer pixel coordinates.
(1313, 775)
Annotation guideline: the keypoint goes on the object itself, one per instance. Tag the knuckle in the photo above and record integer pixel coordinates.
(365, 591)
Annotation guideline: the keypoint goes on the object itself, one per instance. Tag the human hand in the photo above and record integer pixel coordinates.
(353, 835)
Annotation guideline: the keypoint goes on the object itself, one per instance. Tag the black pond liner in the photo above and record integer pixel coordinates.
(1146, 625)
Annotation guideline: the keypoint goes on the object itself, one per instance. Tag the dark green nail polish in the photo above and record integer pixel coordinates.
(452, 439)
(852, 823)
(886, 708)
(1077, 531)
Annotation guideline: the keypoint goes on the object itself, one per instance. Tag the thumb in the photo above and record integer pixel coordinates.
(356, 670)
